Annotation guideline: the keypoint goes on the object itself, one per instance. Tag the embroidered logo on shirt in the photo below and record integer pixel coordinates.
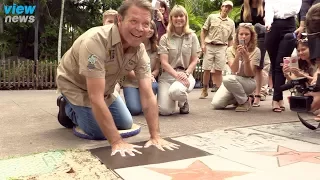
(91, 61)
(112, 54)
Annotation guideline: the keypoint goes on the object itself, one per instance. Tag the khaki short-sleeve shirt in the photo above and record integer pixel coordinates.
(179, 48)
(98, 53)
(254, 58)
(154, 60)
(220, 31)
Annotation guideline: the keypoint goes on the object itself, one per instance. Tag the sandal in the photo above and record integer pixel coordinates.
(254, 104)
(276, 109)
(263, 97)
(282, 107)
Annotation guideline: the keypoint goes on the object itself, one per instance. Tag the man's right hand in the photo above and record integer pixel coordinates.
(123, 147)
(203, 48)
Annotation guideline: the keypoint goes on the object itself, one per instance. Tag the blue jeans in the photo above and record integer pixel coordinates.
(83, 117)
(132, 98)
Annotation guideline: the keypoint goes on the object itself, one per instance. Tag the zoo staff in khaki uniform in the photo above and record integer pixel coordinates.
(90, 69)
(178, 50)
(216, 35)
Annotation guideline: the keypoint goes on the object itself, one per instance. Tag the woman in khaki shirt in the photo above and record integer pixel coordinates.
(243, 58)
(130, 84)
(178, 50)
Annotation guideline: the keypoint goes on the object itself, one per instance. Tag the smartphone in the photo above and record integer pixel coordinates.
(157, 5)
(241, 42)
(294, 62)
(286, 60)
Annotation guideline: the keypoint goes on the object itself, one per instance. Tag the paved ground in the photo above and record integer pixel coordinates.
(29, 125)
(28, 119)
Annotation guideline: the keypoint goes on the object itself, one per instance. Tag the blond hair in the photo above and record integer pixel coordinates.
(253, 38)
(177, 10)
(109, 12)
(247, 10)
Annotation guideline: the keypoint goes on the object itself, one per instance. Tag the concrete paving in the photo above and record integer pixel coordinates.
(29, 126)
(29, 123)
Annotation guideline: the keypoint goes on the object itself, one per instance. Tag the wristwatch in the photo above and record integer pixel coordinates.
(187, 73)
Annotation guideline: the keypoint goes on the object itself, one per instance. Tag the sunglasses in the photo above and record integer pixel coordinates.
(245, 25)
(304, 40)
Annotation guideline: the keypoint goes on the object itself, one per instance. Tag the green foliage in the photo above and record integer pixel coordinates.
(79, 16)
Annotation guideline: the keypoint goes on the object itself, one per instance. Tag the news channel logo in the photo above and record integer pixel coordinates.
(18, 13)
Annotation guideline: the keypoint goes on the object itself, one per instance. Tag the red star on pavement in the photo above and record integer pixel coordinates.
(288, 156)
(197, 171)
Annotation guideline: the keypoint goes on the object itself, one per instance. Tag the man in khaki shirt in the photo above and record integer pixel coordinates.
(216, 36)
(88, 73)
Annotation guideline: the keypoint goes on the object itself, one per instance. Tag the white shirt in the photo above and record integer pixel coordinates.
(281, 9)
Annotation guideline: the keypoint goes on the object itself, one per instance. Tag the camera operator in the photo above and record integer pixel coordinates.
(306, 66)
(313, 30)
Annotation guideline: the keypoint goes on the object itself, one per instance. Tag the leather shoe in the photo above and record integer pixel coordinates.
(63, 119)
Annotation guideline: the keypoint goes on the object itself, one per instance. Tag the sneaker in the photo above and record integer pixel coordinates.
(214, 89)
(185, 108)
(63, 119)
(270, 92)
(244, 107)
(204, 93)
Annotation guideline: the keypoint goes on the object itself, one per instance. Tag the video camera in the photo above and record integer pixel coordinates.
(298, 102)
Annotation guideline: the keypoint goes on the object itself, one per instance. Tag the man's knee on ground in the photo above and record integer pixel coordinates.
(125, 124)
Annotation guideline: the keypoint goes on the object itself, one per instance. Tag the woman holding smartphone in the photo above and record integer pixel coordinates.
(243, 57)
(252, 11)
(306, 66)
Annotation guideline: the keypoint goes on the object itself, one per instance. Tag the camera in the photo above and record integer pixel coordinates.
(299, 102)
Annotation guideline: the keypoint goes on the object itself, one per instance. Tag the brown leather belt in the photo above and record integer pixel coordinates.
(179, 68)
(216, 44)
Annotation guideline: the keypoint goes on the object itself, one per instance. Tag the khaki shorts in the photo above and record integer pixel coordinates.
(214, 57)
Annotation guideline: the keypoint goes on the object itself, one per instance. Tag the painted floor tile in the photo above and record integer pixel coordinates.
(255, 149)
(150, 155)
(292, 130)
(202, 168)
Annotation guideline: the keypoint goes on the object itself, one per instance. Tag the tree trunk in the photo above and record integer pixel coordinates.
(1, 31)
(60, 30)
(36, 42)
(36, 31)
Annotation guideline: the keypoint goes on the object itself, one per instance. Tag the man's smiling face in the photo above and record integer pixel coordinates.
(134, 26)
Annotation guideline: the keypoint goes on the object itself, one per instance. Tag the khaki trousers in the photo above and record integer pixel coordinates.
(171, 91)
(234, 89)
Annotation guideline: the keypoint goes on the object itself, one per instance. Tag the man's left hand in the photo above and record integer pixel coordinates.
(161, 144)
